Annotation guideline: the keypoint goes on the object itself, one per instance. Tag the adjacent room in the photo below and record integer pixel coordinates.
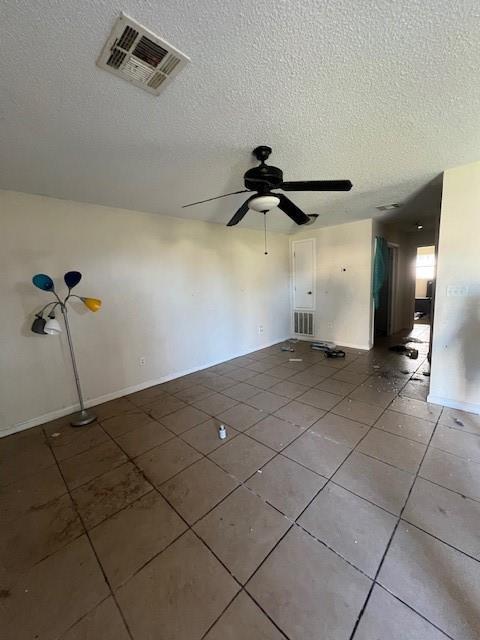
(240, 346)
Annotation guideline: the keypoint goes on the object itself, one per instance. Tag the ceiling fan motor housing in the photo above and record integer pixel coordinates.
(263, 178)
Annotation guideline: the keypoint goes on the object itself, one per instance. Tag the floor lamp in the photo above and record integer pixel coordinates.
(52, 327)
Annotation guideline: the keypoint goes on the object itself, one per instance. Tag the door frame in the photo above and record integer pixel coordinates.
(314, 273)
(393, 302)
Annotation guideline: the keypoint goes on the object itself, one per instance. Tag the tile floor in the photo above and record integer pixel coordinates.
(341, 506)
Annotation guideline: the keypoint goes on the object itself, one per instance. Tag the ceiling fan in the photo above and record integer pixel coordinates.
(263, 179)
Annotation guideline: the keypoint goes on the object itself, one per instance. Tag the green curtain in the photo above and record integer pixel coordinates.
(379, 268)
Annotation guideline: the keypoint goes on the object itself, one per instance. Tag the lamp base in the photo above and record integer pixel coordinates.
(82, 419)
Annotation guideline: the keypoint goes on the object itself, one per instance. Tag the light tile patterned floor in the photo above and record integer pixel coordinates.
(341, 506)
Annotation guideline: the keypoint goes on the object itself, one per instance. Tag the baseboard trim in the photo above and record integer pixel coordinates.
(65, 411)
(454, 404)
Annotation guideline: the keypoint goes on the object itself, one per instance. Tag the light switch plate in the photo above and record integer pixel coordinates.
(457, 291)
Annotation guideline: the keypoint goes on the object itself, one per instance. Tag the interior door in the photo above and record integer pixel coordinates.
(304, 273)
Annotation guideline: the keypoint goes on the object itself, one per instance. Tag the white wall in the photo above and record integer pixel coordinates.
(343, 298)
(183, 294)
(455, 376)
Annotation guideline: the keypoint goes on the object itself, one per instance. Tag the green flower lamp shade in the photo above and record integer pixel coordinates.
(43, 282)
(72, 278)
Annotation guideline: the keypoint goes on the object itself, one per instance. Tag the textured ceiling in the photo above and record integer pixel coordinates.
(384, 92)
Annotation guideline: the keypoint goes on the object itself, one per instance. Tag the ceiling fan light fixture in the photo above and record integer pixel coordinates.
(263, 203)
(264, 179)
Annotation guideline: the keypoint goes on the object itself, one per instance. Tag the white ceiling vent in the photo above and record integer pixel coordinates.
(139, 56)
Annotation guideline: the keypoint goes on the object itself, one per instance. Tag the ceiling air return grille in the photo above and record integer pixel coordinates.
(139, 56)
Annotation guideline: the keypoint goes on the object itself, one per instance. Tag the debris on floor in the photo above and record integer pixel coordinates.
(413, 339)
(329, 349)
(222, 432)
(323, 345)
(335, 353)
(295, 359)
(289, 345)
(406, 351)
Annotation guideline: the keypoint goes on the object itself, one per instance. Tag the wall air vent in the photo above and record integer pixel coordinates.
(137, 55)
(303, 323)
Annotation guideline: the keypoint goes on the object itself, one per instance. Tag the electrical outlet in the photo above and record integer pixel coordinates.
(142, 361)
(260, 328)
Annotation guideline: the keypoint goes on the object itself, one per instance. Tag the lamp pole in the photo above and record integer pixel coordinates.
(52, 327)
(83, 418)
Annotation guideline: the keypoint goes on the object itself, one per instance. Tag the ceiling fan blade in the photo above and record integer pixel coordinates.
(239, 215)
(215, 198)
(317, 185)
(292, 210)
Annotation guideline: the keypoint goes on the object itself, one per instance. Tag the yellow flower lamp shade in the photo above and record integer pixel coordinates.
(94, 304)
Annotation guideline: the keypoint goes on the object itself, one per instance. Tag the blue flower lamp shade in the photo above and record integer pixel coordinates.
(43, 282)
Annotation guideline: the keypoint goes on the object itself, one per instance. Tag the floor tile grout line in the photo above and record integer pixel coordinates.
(460, 429)
(260, 607)
(409, 606)
(389, 543)
(293, 523)
(370, 427)
(337, 553)
(158, 553)
(87, 534)
(462, 495)
(327, 411)
(94, 446)
(330, 479)
(190, 527)
(276, 453)
(357, 495)
(85, 615)
(398, 435)
(433, 535)
(201, 453)
(221, 614)
(389, 464)
(456, 454)
(84, 484)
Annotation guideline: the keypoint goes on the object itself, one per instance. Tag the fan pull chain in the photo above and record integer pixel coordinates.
(265, 230)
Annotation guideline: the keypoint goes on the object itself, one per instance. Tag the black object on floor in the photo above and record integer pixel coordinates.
(401, 348)
(335, 353)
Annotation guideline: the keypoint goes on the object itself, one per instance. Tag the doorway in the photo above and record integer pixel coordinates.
(384, 320)
(424, 284)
